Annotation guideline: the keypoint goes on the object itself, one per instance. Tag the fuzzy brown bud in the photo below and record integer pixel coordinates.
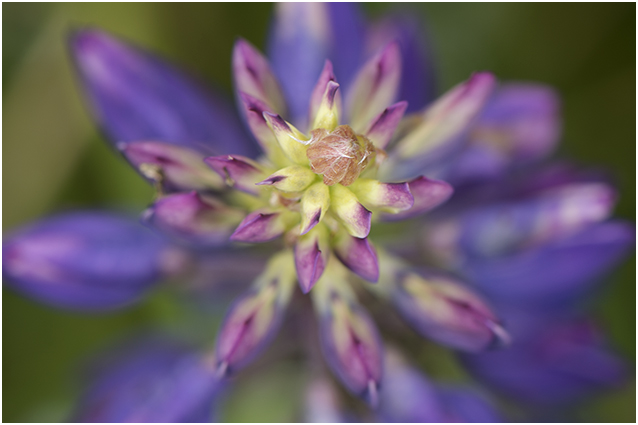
(340, 156)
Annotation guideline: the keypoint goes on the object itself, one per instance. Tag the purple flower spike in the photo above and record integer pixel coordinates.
(262, 226)
(558, 271)
(156, 381)
(239, 172)
(254, 77)
(358, 255)
(382, 127)
(194, 218)
(560, 364)
(255, 317)
(427, 194)
(375, 87)
(83, 261)
(311, 256)
(174, 167)
(350, 343)
(136, 96)
(449, 313)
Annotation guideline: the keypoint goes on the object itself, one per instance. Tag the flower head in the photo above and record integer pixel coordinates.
(336, 158)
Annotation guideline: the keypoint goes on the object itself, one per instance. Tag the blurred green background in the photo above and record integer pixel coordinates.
(54, 159)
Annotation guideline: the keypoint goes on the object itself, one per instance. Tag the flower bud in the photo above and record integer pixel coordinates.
(448, 312)
(83, 260)
(349, 338)
(154, 381)
(375, 86)
(135, 95)
(443, 123)
(381, 128)
(357, 254)
(325, 101)
(355, 218)
(291, 141)
(256, 316)
(290, 179)
(171, 166)
(311, 256)
(254, 77)
(561, 363)
(194, 218)
(427, 194)
(237, 171)
(314, 205)
(263, 226)
(389, 197)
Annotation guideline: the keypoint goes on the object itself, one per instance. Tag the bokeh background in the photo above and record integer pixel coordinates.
(54, 159)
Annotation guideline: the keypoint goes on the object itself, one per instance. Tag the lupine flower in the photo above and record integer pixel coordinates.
(339, 153)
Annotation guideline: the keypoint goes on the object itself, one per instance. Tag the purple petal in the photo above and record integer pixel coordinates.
(382, 127)
(448, 312)
(417, 78)
(154, 381)
(303, 36)
(83, 260)
(442, 126)
(261, 226)
(311, 257)
(563, 363)
(136, 96)
(254, 77)
(352, 347)
(427, 194)
(375, 87)
(557, 271)
(174, 167)
(253, 320)
(194, 218)
(238, 172)
(358, 255)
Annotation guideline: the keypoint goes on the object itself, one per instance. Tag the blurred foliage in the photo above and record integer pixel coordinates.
(55, 160)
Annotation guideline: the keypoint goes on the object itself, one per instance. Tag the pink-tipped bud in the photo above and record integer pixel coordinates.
(254, 319)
